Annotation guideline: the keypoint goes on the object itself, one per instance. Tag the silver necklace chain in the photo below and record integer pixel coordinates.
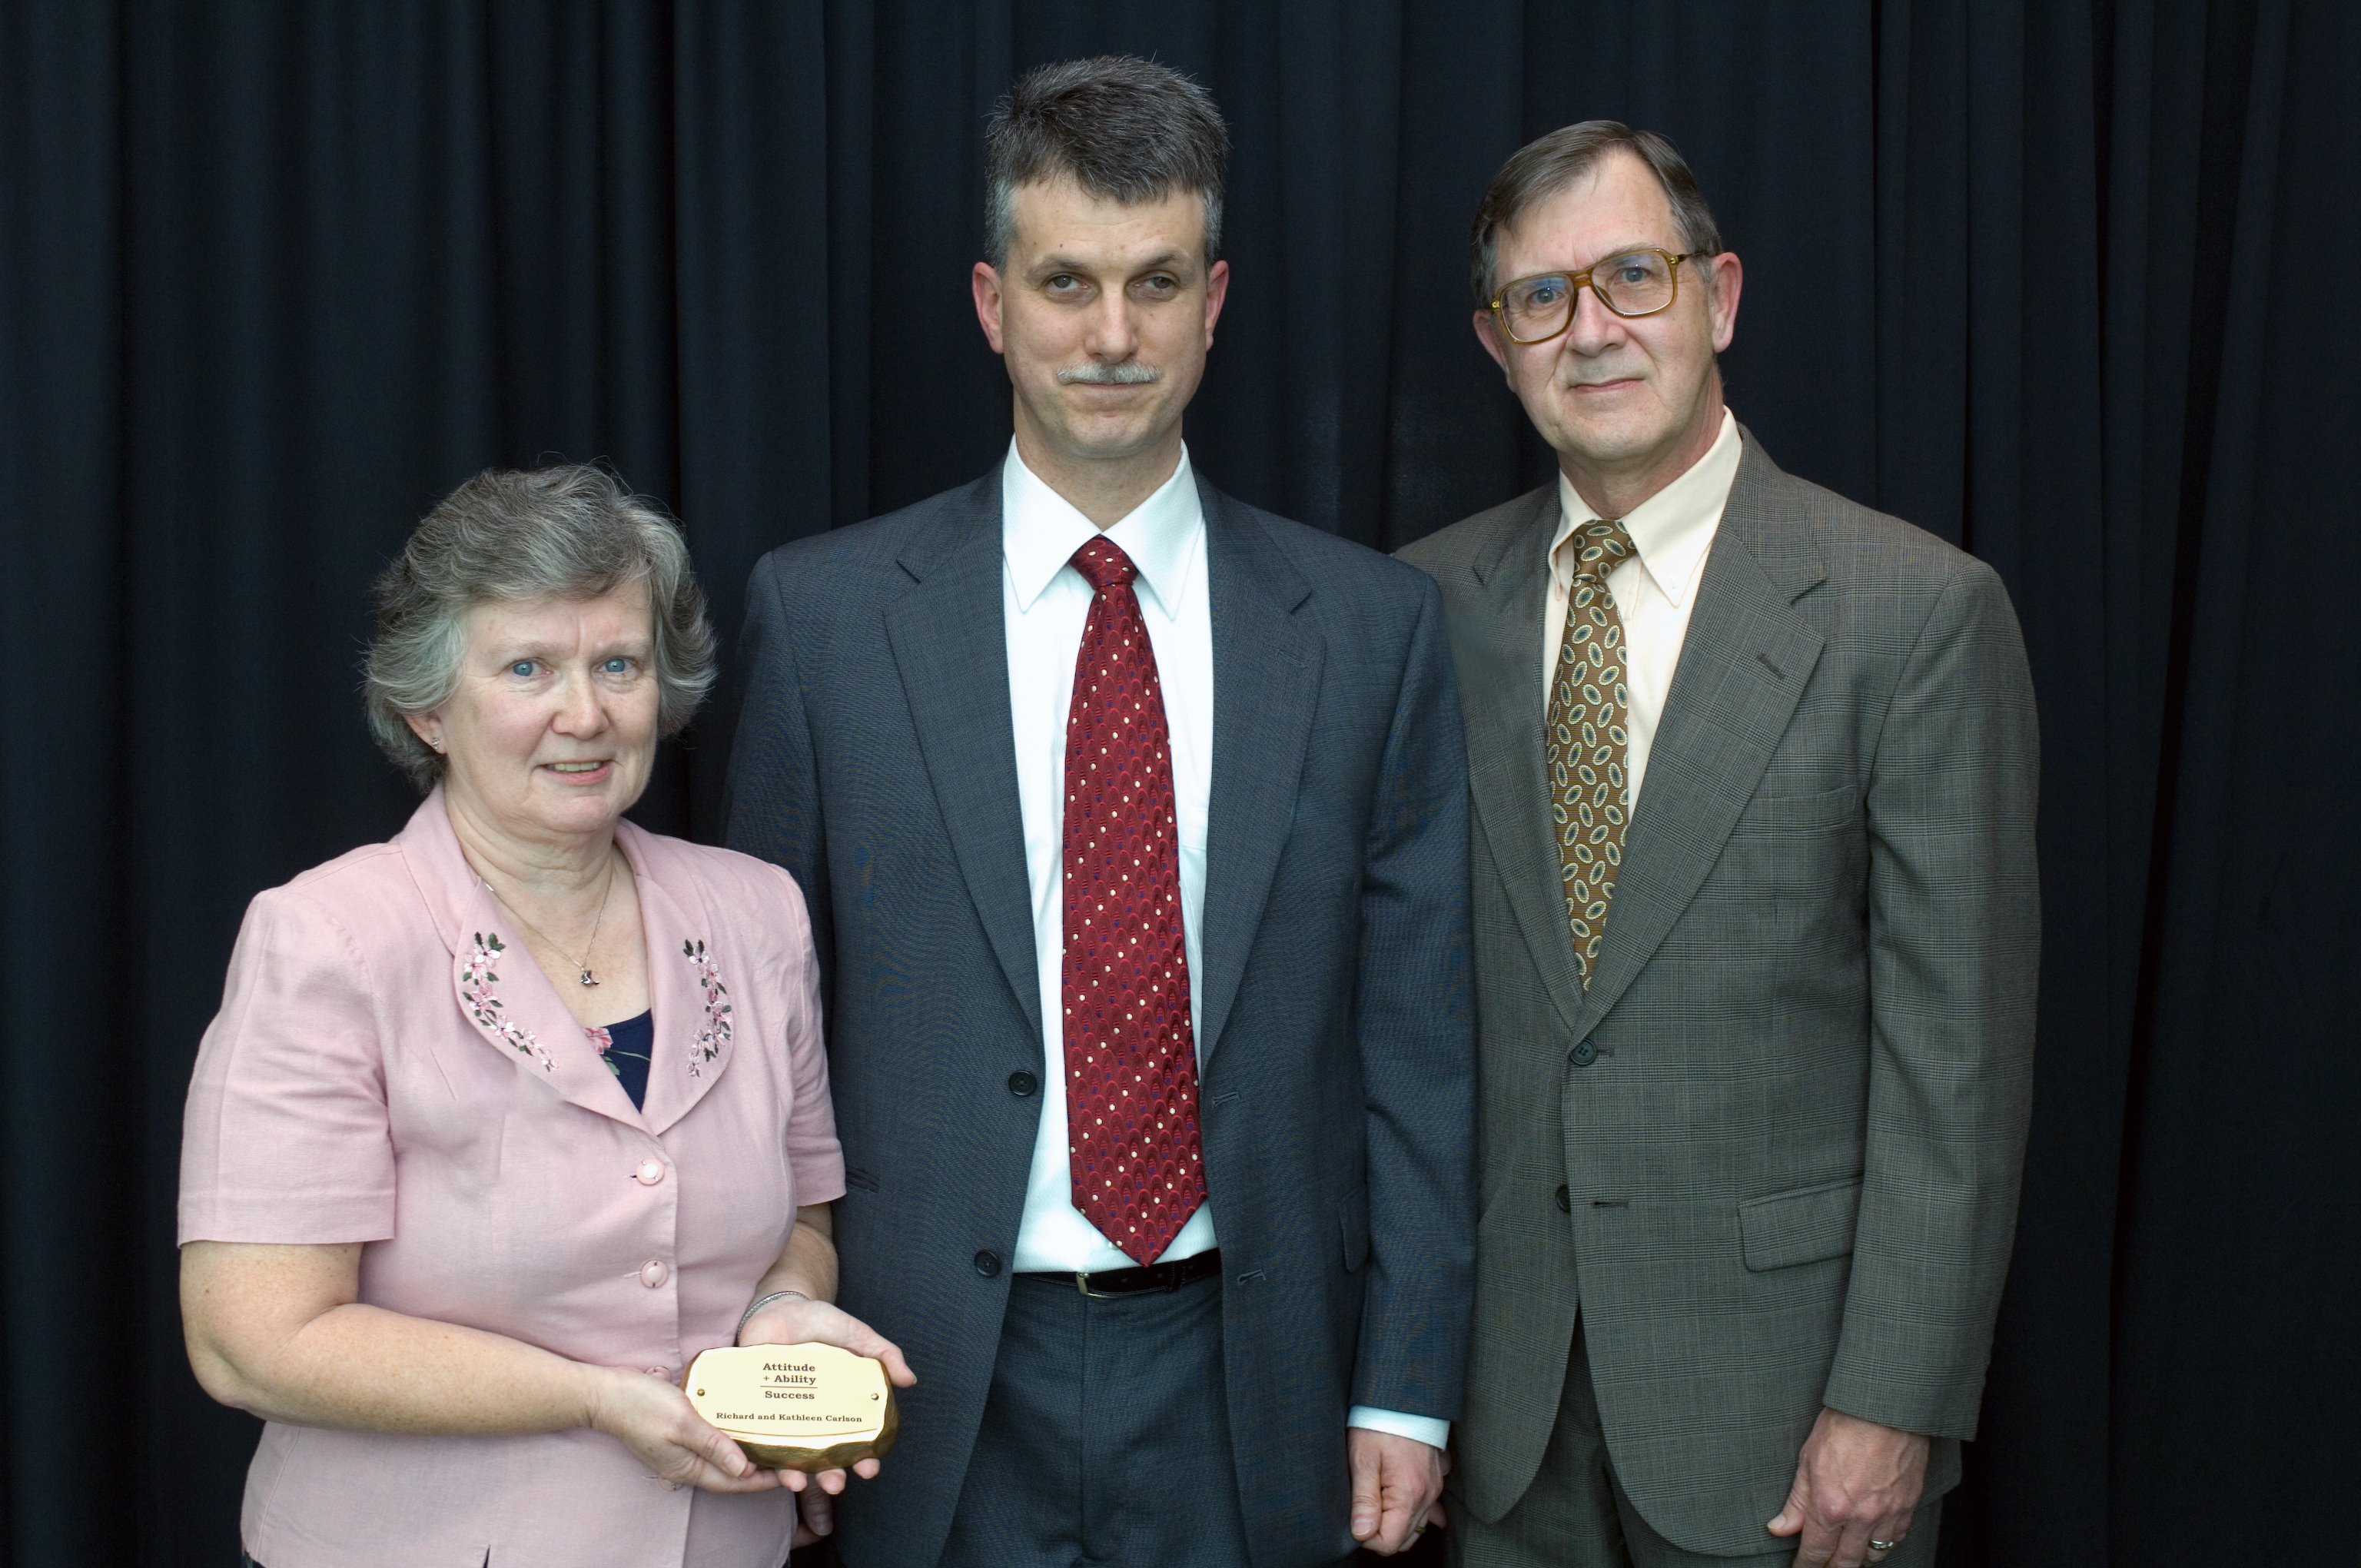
(586, 977)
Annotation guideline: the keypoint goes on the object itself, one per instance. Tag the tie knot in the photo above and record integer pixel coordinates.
(1600, 546)
(1103, 564)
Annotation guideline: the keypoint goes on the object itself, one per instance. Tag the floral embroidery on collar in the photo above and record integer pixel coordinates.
(475, 988)
(716, 1033)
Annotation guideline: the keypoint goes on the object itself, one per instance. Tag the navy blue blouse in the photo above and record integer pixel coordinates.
(625, 1048)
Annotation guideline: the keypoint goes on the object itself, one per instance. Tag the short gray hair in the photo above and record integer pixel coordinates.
(1124, 129)
(508, 536)
(1543, 166)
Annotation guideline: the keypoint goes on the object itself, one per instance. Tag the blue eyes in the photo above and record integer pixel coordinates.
(617, 664)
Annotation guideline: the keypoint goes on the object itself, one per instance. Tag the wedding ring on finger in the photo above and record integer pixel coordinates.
(1883, 1545)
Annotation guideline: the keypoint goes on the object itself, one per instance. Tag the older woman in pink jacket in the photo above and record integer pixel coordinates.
(503, 1120)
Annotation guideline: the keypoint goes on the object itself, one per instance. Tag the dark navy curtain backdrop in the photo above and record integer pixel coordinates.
(2064, 280)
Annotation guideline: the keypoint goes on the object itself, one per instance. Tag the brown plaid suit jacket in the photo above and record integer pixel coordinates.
(1771, 1158)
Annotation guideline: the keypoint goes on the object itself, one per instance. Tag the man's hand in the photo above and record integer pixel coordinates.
(1855, 1483)
(1396, 1488)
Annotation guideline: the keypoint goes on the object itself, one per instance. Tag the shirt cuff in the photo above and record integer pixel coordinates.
(1432, 1430)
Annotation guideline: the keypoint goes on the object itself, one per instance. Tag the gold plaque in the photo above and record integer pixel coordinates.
(795, 1406)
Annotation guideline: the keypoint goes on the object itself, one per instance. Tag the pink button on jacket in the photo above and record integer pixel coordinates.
(390, 1067)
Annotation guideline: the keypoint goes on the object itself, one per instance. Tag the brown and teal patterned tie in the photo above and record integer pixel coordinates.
(1589, 705)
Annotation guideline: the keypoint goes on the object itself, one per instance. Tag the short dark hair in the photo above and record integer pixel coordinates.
(1124, 129)
(1547, 165)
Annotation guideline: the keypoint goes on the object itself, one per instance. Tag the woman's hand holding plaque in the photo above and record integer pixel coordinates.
(811, 1408)
(849, 1361)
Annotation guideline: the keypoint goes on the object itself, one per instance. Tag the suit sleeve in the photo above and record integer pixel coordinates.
(1954, 933)
(1416, 1026)
(772, 810)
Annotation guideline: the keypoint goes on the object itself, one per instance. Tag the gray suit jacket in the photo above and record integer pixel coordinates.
(1773, 1154)
(876, 761)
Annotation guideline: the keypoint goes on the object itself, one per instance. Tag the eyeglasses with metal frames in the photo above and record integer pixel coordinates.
(1635, 283)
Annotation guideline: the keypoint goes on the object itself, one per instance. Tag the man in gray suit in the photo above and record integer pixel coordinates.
(1133, 825)
(1756, 930)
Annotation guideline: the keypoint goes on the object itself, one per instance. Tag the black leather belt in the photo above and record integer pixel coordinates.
(1131, 1281)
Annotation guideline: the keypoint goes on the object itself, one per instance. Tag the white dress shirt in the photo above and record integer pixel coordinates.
(1045, 603)
(1672, 532)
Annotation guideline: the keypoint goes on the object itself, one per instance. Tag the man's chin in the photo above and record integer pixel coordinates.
(1111, 440)
(1609, 441)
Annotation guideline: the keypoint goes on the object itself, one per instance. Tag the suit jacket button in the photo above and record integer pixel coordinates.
(1023, 1084)
(1565, 1203)
(1583, 1055)
(987, 1264)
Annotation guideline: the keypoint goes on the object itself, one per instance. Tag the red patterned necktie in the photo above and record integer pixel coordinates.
(1131, 1055)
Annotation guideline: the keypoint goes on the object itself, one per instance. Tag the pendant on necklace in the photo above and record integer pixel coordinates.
(587, 978)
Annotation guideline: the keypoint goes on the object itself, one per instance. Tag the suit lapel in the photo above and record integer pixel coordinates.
(1743, 667)
(494, 983)
(951, 646)
(1267, 667)
(693, 970)
(512, 1005)
(1502, 656)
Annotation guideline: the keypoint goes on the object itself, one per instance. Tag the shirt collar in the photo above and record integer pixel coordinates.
(1673, 528)
(1040, 530)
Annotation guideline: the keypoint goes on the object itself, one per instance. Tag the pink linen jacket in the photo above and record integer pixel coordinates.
(390, 1067)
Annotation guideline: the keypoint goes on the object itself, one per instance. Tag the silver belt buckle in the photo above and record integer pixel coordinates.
(1082, 1284)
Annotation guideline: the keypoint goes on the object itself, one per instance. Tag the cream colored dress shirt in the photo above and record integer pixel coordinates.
(1655, 591)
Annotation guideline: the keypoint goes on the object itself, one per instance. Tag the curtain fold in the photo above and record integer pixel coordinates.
(70, 1224)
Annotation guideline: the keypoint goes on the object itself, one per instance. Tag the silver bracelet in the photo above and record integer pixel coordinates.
(748, 1315)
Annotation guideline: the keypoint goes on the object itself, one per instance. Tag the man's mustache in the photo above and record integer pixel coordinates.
(1130, 373)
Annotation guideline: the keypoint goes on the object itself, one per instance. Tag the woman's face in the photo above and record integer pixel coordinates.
(552, 729)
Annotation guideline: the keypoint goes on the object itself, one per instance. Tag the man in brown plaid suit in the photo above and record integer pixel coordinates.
(1756, 929)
